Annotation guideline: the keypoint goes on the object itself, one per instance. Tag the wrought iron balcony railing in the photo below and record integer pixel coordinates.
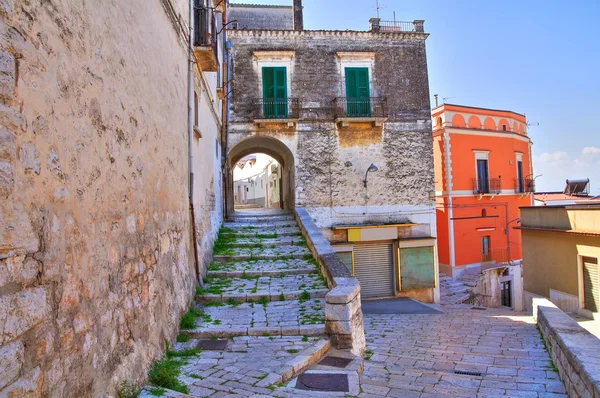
(484, 186)
(365, 107)
(525, 185)
(273, 108)
(205, 38)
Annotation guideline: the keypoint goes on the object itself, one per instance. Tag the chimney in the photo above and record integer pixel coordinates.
(298, 19)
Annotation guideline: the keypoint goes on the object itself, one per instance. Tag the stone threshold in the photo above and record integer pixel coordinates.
(300, 330)
(293, 295)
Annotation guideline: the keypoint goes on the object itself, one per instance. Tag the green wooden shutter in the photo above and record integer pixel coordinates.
(417, 268)
(358, 92)
(274, 92)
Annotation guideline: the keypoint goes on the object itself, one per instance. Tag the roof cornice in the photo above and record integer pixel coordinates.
(327, 33)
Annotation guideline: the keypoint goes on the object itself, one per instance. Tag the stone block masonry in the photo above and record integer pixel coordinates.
(574, 351)
(96, 263)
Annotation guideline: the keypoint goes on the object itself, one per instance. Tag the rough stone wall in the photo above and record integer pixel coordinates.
(265, 17)
(331, 160)
(95, 256)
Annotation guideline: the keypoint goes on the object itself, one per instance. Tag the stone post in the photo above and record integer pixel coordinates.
(343, 316)
(375, 27)
(419, 25)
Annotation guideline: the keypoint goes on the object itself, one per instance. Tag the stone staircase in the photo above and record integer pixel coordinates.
(453, 291)
(263, 300)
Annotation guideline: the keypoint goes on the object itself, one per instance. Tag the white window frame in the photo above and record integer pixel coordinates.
(274, 59)
(346, 59)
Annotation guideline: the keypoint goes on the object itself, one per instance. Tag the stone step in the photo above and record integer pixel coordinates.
(269, 242)
(290, 317)
(250, 256)
(263, 233)
(253, 220)
(264, 224)
(266, 267)
(264, 287)
(266, 213)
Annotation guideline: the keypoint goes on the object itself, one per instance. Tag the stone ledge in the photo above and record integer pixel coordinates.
(575, 352)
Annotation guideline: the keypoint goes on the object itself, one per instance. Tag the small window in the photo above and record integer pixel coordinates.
(234, 25)
(195, 109)
(483, 213)
(504, 127)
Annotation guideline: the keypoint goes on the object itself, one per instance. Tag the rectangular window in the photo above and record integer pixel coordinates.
(275, 104)
(483, 182)
(485, 249)
(357, 92)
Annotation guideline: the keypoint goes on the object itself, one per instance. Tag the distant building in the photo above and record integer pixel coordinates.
(561, 248)
(483, 175)
(576, 191)
(257, 181)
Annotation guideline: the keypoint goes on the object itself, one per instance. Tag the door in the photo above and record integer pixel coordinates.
(275, 92)
(374, 269)
(505, 294)
(591, 288)
(485, 249)
(520, 182)
(357, 92)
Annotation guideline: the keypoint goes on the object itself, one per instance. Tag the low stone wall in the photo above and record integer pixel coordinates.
(343, 315)
(575, 352)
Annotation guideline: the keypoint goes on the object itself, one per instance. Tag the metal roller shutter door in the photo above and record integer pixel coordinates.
(591, 287)
(374, 268)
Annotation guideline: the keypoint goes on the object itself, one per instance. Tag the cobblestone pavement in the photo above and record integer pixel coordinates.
(418, 355)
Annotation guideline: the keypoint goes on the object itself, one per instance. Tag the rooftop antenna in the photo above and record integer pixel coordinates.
(377, 7)
(446, 99)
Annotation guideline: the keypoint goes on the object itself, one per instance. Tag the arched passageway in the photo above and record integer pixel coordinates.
(268, 146)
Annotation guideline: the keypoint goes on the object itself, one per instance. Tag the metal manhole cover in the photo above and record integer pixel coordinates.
(323, 382)
(212, 345)
(337, 362)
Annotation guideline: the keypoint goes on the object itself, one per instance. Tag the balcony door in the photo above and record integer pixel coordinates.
(483, 182)
(520, 182)
(358, 95)
(486, 254)
(275, 104)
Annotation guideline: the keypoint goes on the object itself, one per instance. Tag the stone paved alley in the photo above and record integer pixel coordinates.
(265, 295)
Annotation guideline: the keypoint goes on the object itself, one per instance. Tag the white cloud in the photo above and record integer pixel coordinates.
(591, 150)
(554, 158)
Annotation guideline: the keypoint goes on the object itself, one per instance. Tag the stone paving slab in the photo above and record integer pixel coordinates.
(252, 366)
(270, 315)
(262, 267)
(417, 355)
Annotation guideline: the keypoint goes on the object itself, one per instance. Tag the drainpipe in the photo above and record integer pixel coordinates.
(448, 163)
(227, 90)
(191, 138)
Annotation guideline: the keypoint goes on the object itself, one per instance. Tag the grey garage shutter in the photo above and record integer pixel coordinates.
(374, 268)
(591, 288)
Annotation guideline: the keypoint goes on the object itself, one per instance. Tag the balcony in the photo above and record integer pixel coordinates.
(493, 186)
(271, 110)
(205, 35)
(526, 185)
(379, 26)
(360, 110)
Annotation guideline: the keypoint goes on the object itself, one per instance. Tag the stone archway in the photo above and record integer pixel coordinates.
(269, 146)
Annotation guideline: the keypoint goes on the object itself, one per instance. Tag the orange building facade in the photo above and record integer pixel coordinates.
(483, 174)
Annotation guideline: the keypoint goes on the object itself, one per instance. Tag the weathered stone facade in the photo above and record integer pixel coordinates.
(96, 261)
(331, 158)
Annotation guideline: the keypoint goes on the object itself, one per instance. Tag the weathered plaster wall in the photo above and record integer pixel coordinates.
(261, 17)
(330, 160)
(95, 256)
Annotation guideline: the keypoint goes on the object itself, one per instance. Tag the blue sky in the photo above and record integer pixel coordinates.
(541, 58)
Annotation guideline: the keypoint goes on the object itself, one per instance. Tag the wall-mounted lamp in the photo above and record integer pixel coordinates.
(372, 167)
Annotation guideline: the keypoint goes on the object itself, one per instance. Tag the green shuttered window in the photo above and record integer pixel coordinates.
(417, 268)
(274, 92)
(357, 92)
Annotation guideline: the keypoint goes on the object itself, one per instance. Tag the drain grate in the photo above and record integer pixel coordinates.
(336, 362)
(323, 382)
(467, 373)
(212, 345)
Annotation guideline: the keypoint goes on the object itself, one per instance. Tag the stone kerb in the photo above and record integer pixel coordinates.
(343, 314)
(575, 352)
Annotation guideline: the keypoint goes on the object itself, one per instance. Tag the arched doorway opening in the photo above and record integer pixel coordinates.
(245, 151)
